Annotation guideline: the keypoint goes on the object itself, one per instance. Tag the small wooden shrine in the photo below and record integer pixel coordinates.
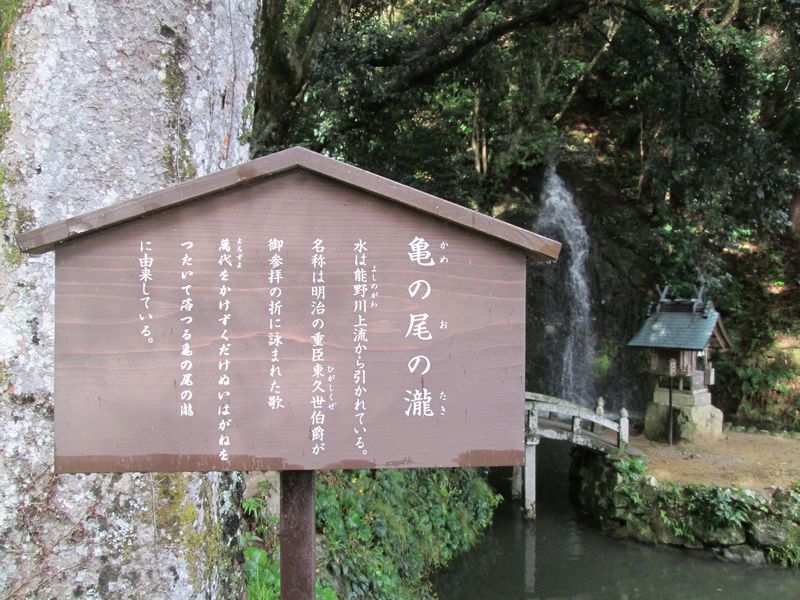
(681, 334)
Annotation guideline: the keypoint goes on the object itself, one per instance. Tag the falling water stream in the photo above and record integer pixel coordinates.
(559, 218)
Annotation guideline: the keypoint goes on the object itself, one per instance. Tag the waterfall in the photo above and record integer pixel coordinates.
(559, 218)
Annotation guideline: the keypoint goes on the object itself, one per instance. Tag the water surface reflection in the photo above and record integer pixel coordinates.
(560, 557)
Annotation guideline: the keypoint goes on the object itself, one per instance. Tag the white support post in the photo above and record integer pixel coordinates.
(531, 441)
(577, 423)
(533, 423)
(518, 473)
(517, 482)
(530, 478)
(622, 438)
(600, 411)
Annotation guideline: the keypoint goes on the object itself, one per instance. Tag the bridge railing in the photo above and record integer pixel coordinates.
(581, 416)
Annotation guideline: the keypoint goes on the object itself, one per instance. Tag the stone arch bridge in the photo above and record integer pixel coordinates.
(559, 419)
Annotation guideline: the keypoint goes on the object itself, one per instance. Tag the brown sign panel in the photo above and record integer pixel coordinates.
(294, 323)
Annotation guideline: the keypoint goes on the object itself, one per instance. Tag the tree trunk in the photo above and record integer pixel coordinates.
(284, 62)
(107, 100)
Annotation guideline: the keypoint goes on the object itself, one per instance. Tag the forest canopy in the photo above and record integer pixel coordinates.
(683, 117)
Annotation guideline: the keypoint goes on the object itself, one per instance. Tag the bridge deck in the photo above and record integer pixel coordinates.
(555, 429)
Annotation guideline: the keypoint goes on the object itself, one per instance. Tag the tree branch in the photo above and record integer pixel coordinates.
(613, 27)
(315, 25)
(424, 67)
(433, 41)
(658, 28)
(730, 15)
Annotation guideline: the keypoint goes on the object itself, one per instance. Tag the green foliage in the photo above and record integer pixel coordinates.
(673, 512)
(629, 483)
(687, 117)
(8, 14)
(684, 509)
(604, 358)
(719, 507)
(383, 531)
(764, 388)
(386, 530)
(264, 526)
(788, 556)
(264, 577)
(630, 468)
(786, 506)
(262, 574)
(693, 515)
(260, 541)
(10, 218)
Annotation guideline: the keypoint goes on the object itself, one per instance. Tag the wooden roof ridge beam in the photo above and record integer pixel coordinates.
(48, 237)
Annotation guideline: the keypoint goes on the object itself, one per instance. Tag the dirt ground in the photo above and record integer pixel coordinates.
(755, 461)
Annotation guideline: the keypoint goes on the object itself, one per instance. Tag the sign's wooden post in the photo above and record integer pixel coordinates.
(294, 314)
(297, 534)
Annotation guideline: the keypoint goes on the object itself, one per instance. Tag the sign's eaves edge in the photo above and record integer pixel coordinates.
(46, 238)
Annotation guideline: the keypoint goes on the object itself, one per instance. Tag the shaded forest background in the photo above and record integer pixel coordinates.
(675, 124)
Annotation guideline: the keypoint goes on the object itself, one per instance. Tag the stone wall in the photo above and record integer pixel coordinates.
(734, 524)
(107, 100)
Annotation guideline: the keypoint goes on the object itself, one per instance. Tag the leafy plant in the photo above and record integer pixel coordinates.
(382, 531)
(719, 507)
(8, 14)
(263, 529)
(673, 512)
(788, 556)
(386, 530)
(604, 358)
(629, 482)
(631, 468)
(264, 577)
(262, 574)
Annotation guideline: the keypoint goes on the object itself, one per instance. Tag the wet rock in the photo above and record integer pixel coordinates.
(744, 554)
(666, 535)
(719, 536)
(776, 533)
(638, 529)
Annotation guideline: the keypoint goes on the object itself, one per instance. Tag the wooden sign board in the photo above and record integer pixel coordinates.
(293, 323)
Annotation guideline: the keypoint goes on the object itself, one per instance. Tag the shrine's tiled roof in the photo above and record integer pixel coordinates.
(682, 324)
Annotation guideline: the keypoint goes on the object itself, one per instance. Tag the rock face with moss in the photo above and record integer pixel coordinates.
(735, 524)
(103, 101)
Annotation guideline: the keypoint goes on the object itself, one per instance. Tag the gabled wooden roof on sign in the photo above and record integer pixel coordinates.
(47, 238)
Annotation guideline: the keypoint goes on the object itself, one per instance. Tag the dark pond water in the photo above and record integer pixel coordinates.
(560, 557)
